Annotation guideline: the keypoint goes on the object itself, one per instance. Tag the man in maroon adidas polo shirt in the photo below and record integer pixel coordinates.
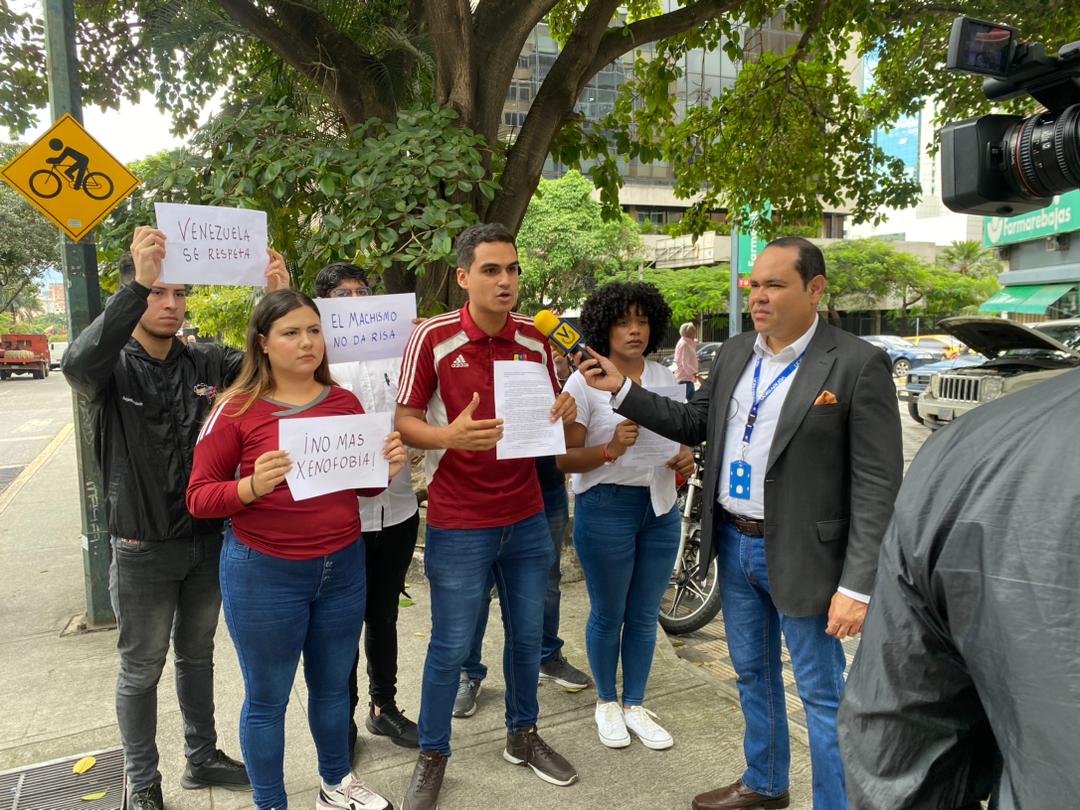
(484, 515)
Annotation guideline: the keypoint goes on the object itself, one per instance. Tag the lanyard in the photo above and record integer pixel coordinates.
(757, 403)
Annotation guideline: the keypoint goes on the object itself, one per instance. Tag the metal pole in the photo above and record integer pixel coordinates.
(79, 263)
(735, 296)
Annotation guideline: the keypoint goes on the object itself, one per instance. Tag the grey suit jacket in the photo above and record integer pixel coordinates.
(833, 472)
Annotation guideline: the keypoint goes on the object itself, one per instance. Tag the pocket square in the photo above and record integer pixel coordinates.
(826, 398)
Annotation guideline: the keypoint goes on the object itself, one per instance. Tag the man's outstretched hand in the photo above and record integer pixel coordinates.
(599, 372)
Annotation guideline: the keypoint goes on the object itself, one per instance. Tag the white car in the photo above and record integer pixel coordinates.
(1020, 356)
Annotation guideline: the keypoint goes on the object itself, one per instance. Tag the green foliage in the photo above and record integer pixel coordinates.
(971, 259)
(795, 128)
(223, 313)
(692, 291)
(385, 194)
(30, 243)
(565, 245)
(867, 274)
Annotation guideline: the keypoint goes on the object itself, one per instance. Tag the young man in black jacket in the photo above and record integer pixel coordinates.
(149, 393)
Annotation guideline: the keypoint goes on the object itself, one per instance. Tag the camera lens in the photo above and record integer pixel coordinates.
(1042, 153)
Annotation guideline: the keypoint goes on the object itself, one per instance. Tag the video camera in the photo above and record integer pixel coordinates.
(1003, 165)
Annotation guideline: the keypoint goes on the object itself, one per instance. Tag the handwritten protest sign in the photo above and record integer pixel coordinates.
(208, 244)
(332, 453)
(368, 327)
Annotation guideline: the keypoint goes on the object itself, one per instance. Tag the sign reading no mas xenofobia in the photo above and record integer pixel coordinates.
(209, 244)
(368, 327)
(332, 453)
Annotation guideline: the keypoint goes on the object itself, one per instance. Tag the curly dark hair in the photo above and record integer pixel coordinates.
(609, 303)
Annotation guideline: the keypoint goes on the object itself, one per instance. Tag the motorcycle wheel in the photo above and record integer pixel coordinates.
(688, 604)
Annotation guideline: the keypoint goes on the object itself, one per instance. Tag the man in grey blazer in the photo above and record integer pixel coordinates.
(803, 463)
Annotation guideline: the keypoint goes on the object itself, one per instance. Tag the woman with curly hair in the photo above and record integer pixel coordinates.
(626, 526)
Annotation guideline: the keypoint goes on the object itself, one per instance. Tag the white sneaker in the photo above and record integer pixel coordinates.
(610, 724)
(352, 794)
(640, 720)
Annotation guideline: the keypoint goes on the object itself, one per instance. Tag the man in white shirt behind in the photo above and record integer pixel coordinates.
(389, 523)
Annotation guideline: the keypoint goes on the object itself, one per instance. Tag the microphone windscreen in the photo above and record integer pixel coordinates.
(546, 321)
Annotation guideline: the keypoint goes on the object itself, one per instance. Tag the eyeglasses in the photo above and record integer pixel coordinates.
(347, 292)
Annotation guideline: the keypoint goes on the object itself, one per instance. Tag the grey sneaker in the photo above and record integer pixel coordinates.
(426, 782)
(565, 675)
(467, 692)
(527, 749)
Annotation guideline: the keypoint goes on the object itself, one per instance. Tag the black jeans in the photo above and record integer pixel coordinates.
(161, 590)
(389, 553)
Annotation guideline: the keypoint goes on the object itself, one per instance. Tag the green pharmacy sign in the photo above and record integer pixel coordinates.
(1061, 216)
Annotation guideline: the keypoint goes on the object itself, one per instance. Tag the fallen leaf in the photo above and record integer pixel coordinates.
(406, 603)
(84, 764)
(93, 797)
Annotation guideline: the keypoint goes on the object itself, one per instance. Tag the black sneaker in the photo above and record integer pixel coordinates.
(526, 748)
(565, 675)
(426, 782)
(390, 722)
(146, 799)
(218, 770)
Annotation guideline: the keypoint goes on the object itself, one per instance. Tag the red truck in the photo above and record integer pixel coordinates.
(24, 354)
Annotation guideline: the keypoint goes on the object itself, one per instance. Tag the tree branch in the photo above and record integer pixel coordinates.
(501, 28)
(310, 44)
(451, 27)
(622, 40)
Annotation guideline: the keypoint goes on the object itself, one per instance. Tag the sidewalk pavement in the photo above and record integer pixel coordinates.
(58, 696)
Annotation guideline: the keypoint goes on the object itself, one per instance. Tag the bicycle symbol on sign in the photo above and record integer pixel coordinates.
(47, 183)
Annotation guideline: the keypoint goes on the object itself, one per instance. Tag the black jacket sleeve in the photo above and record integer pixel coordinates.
(232, 361)
(683, 422)
(90, 358)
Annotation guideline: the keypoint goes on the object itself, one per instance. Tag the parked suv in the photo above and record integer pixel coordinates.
(918, 380)
(1019, 356)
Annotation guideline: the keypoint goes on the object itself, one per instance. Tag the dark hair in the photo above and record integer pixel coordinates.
(332, 275)
(612, 301)
(475, 235)
(256, 376)
(127, 269)
(810, 262)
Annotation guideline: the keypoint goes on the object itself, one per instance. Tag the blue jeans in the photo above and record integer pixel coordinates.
(557, 512)
(275, 609)
(459, 564)
(627, 553)
(753, 626)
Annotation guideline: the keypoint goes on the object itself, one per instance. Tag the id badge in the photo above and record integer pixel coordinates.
(739, 480)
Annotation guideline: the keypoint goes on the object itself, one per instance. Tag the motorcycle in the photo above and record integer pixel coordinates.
(690, 602)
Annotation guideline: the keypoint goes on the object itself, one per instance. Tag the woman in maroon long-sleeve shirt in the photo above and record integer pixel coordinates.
(292, 572)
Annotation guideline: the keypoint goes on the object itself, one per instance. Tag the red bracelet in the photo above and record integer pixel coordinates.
(608, 458)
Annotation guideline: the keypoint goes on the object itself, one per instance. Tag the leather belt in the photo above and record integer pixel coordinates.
(751, 527)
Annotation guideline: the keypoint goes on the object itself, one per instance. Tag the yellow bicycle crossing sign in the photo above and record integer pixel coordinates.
(70, 178)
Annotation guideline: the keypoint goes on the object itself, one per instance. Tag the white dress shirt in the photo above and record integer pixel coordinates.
(375, 383)
(757, 453)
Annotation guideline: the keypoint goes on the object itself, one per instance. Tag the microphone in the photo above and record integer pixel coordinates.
(564, 337)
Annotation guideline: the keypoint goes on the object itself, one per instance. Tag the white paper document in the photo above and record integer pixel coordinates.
(523, 400)
(367, 327)
(331, 453)
(209, 244)
(652, 449)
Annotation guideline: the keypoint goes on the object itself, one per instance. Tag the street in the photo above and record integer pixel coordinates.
(34, 412)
